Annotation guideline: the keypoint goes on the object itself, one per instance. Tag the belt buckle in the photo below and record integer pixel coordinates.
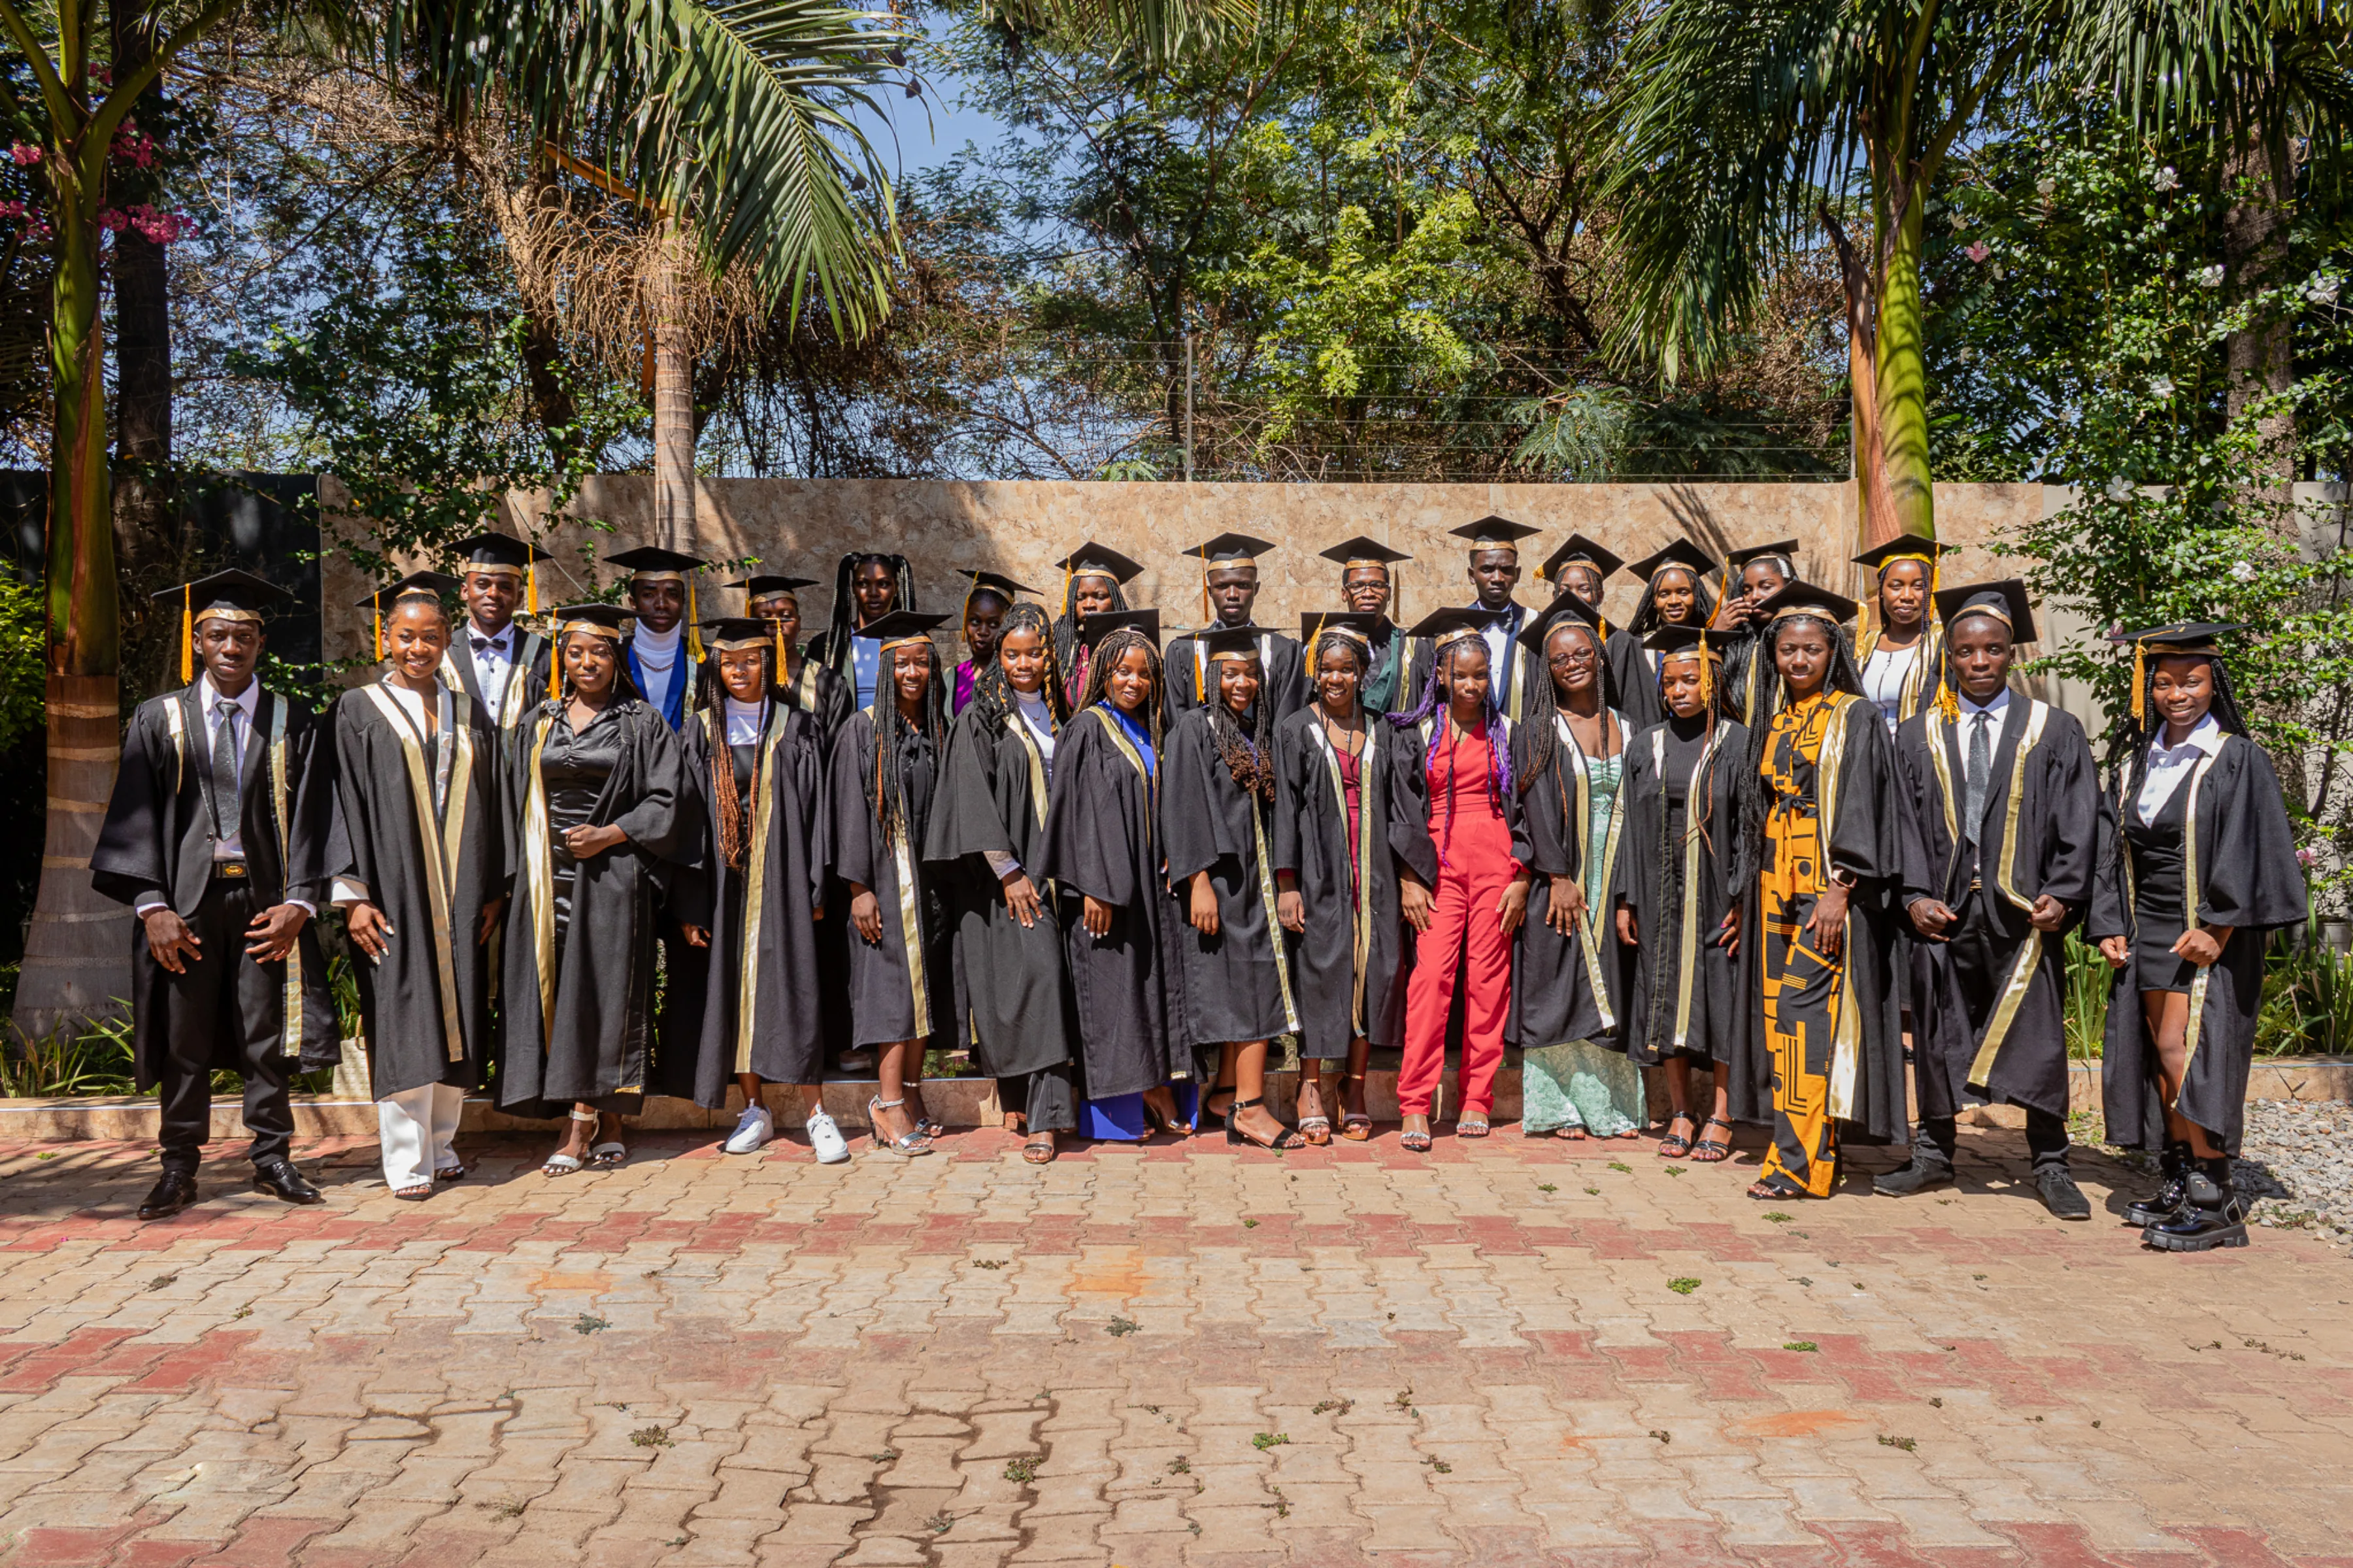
(229, 868)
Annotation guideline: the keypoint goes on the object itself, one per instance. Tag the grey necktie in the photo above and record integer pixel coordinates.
(1981, 764)
(224, 793)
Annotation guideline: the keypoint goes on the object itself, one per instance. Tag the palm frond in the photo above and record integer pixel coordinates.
(1156, 31)
(2245, 71)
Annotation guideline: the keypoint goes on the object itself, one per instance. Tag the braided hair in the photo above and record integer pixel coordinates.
(624, 689)
(1543, 705)
(843, 624)
(733, 827)
(1250, 759)
(886, 791)
(1107, 654)
(992, 692)
(1756, 798)
(1330, 637)
(1070, 654)
(1433, 701)
(1647, 618)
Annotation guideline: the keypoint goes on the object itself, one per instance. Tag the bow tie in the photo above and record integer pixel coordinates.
(483, 644)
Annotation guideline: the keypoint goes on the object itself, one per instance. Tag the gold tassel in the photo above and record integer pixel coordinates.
(379, 628)
(2140, 684)
(556, 667)
(188, 639)
(530, 584)
(1948, 704)
(1206, 616)
(693, 624)
(776, 635)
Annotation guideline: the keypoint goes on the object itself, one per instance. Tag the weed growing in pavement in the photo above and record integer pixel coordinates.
(1683, 1287)
(1621, 1166)
(1907, 1444)
(1120, 1328)
(1022, 1470)
(1439, 1465)
(1180, 1465)
(1342, 1406)
(590, 1325)
(1800, 1345)
(651, 1437)
(1266, 1440)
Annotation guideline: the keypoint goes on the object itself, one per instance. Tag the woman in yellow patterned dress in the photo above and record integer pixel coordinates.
(1820, 820)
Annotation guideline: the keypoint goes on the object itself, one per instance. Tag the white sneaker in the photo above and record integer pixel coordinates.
(826, 1140)
(752, 1132)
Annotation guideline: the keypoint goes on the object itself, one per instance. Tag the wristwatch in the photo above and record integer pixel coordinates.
(1843, 879)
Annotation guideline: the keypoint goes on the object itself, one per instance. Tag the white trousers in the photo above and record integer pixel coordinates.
(415, 1128)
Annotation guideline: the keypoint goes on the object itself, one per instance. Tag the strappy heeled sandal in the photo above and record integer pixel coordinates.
(1415, 1140)
(925, 1125)
(1154, 1120)
(1356, 1126)
(1674, 1146)
(1713, 1151)
(1285, 1137)
(1316, 1129)
(561, 1163)
(906, 1148)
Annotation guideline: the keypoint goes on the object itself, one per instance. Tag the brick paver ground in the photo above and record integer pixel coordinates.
(1157, 1356)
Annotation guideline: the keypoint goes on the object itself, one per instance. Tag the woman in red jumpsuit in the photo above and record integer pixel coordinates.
(1467, 920)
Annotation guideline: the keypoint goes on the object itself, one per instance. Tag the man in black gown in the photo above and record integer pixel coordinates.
(1367, 589)
(502, 666)
(661, 598)
(1494, 572)
(2000, 806)
(1229, 571)
(216, 838)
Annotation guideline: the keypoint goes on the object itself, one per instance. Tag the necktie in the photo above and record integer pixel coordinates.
(1981, 764)
(225, 800)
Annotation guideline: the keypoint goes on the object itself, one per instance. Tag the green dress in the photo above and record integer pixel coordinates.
(1586, 1083)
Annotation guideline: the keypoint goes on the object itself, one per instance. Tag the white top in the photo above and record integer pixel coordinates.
(744, 721)
(248, 706)
(1499, 634)
(658, 661)
(2169, 765)
(494, 660)
(1884, 675)
(1030, 708)
(346, 892)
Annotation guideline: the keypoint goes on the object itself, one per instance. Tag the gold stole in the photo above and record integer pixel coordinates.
(442, 835)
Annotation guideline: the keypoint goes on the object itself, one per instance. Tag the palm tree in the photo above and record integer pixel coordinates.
(1746, 123)
(731, 113)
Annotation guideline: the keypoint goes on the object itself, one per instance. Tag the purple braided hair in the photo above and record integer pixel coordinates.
(1498, 750)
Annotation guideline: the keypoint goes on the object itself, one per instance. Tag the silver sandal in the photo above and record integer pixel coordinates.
(906, 1148)
(561, 1163)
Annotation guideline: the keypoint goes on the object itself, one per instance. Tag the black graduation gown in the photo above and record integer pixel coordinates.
(1744, 672)
(2040, 834)
(1563, 988)
(1636, 682)
(574, 1013)
(897, 986)
(1102, 839)
(993, 795)
(825, 697)
(1864, 840)
(1237, 983)
(749, 1001)
(2240, 862)
(156, 844)
(1525, 667)
(1684, 996)
(1349, 965)
(526, 677)
(427, 1001)
(846, 702)
(1285, 667)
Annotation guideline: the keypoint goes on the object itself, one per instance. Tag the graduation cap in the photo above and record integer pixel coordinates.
(997, 582)
(735, 634)
(235, 595)
(430, 586)
(1677, 642)
(1360, 626)
(1230, 642)
(1093, 560)
(606, 621)
(1231, 549)
(900, 628)
(1363, 551)
(1567, 607)
(1679, 553)
(1797, 597)
(502, 555)
(2182, 637)
(1579, 551)
(1450, 626)
(653, 563)
(2005, 601)
(1094, 629)
(766, 586)
(1736, 560)
(1903, 547)
(1492, 532)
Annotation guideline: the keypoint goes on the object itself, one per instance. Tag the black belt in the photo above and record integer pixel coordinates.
(232, 870)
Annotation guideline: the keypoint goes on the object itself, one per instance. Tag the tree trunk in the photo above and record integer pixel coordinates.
(1903, 389)
(144, 536)
(2261, 358)
(673, 363)
(78, 954)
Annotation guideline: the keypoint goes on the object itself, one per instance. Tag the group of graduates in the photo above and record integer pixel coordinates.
(1757, 837)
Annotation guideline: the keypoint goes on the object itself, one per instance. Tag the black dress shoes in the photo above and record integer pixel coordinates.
(281, 1178)
(2060, 1194)
(1926, 1171)
(174, 1191)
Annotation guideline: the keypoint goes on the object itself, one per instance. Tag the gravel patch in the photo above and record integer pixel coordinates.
(2296, 1168)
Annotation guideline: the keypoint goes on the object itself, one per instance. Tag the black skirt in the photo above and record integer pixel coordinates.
(2157, 920)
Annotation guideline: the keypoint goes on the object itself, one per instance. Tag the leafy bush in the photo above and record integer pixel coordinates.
(24, 669)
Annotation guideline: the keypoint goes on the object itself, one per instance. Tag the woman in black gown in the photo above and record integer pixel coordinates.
(802, 681)
(599, 798)
(1674, 593)
(1343, 821)
(1216, 800)
(1103, 847)
(885, 774)
(744, 1008)
(1677, 892)
(987, 836)
(2198, 869)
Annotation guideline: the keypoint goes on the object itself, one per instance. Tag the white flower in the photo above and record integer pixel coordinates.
(2245, 571)
(2162, 387)
(1966, 357)
(2167, 180)
(2045, 186)
(2210, 276)
(2322, 290)
(2119, 488)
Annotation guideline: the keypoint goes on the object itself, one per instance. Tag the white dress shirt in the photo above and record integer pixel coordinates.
(2169, 766)
(659, 658)
(744, 721)
(1500, 634)
(247, 706)
(1884, 675)
(494, 661)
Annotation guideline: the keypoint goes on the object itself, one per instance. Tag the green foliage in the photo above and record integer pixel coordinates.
(24, 669)
(82, 1060)
(2307, 1004)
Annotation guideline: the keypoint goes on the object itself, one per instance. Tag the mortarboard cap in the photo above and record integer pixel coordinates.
(1680, 552)
(1094, 629)
(1443, 626)
(652, 561)
(767, 586)
(2006, 600)
(1567, 607)
(902, 626)
(1492, 532)
(1802, 598)
(235, 595)
(607, 621)
(433, 585)
(1903, 547)
(1093, 560)
(1579, 550)
(497, 552)
(995, 582)
(1230, 642)
(1363, 551)
(733, 634)
(1355, 624)
(1231, 549)
(1736, 560)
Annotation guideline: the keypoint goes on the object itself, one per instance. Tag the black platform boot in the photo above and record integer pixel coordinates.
(2169, 1198)
(2213, 1217)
